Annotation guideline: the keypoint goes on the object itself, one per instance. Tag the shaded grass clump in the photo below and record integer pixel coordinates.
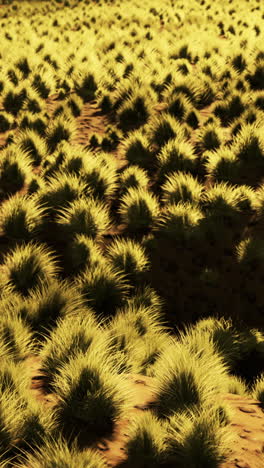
(129, 257)
(15, 171)
(65, 342)
(61, 190)
(175, 156)
(83, 252)
(257, 390)
(137, 150)
(32, 144)
(138, 210)
(27, 267)
(104, 289)
(56, 452)
(162, 129)
(146, 446)
(60, 129)
(181, 186)
(133, 177)
(92, 395)
(89, 217)
(21, 218)
(50, 303)
(179, 222)
(187, 380)
(198, 439)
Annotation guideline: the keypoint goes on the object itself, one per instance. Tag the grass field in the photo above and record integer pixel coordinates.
(131, 233)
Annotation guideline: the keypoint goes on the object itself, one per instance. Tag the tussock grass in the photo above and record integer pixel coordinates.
(249, 145)
(249, 254)
(103, 288)
(59, 130)
(257, 390)
(65, 342)
(217, 332)
(179, 222)
(146, 446)
(31, 143)
(82, 253)
(176, 155)
(27, 267)
(89, 217)
(187, 380)
(56, 452)
(162, 129)
(198, 439)
(96, 171)
(181, 186)
(129, 257)
(237, 386)
(133, 177)
(62, 189)
(136, 149)
(91, 392)
(139, 209)
(21, 218)
(15, 171)
(208, 138)
(51, 302)
(16, 336)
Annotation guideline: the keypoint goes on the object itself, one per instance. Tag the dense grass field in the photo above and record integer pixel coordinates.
(131, 228)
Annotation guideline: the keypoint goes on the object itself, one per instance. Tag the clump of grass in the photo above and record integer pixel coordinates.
(133, 113)
(133, 177)
(256, 77)
(179, 222)
(41, 85)
(146, 446)
(249, 254)
(37, 123)
(223, 200)
(249, 145)
(6, 122)
(89, 217)
(257, 390)
(13, 101)
(56, 452)
(139, 209)
(162, 129)
(96, 171)
(232, 108)
(187, 380)
(129, 257)
(90, 393)
(192, 119)
(50, 302)
(198, 439)
(237, 386)
(59, 130)
(62, 189)
(21, 218)
(65, 342)
(82, 253)
(181, 186)
(27, 267)
(136, 150)
(223, 165)
(16, 335)
(31, 143)
(175, 156)
(75, 105)
(15, 171)
(208, 138)
(86, 87)
(104, 288)
(178, 105)
(220, 332)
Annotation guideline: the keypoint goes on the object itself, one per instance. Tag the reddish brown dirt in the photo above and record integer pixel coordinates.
(247, 423)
